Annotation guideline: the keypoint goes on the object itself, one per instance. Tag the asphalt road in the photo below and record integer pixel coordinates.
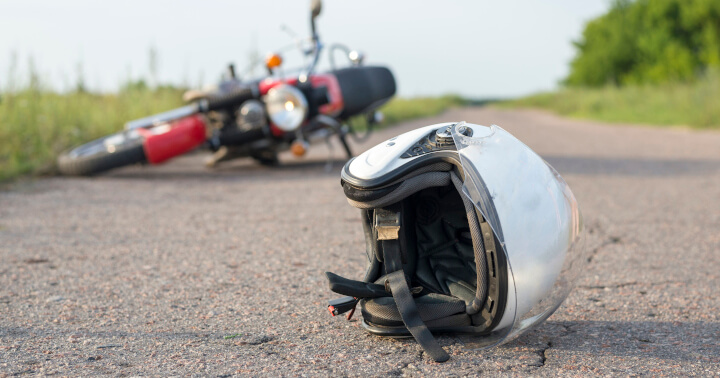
(180, 270)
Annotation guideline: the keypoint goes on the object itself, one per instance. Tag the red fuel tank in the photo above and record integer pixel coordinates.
(167, 141)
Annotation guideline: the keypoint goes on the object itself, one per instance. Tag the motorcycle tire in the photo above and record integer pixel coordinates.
(109, 152)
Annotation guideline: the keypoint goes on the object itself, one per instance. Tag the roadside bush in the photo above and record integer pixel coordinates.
(648, 42)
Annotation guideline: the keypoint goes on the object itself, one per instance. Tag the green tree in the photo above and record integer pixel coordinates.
(648, 41)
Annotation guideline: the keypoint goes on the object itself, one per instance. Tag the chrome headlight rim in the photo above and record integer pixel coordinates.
(286, 107)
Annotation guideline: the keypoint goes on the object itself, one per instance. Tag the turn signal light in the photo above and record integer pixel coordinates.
(298, 148)
(273, 61)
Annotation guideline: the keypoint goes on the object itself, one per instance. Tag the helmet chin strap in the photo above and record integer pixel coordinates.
(387, 221)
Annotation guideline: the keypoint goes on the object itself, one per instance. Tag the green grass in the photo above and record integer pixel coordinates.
(695, 104)
(36, 125)
(403, 109)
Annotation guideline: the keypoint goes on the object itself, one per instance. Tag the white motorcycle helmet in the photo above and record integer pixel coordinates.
(467, 231)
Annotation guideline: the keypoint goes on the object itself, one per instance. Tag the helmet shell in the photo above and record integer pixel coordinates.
(530, 208)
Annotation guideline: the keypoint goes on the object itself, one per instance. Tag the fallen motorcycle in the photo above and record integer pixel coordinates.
(256, 119)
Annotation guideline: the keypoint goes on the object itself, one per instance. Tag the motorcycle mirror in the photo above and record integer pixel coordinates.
(356, 57)
(316, 7)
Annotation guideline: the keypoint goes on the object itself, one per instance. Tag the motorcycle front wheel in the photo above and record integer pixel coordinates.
(109, 152)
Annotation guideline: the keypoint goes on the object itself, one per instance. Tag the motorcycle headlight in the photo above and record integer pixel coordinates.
(286, 106)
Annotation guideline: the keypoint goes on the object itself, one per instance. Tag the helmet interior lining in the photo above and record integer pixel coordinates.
(442, 242)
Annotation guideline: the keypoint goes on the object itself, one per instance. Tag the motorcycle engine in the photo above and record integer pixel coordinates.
(251, 115)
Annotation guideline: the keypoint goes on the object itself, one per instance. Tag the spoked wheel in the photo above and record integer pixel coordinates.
(112, 151)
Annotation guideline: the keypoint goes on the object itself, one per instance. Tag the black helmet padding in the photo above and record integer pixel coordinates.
(437, 249)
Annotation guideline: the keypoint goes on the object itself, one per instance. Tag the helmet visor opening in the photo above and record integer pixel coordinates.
(458, 281)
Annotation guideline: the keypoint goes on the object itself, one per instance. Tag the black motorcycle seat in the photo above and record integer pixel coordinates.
(364, 88)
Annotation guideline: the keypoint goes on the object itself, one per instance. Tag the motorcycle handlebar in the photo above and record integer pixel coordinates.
(231, 99)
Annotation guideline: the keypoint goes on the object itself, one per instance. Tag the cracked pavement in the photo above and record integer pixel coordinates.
(180, 270)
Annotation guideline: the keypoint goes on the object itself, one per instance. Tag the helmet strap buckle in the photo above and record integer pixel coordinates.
(387, 223)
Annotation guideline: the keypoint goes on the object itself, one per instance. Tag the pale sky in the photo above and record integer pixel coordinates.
(476, 48)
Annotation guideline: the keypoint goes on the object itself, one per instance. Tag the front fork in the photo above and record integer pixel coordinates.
(338, 129)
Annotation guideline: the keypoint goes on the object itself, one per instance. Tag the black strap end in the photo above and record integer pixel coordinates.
(357, 289)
